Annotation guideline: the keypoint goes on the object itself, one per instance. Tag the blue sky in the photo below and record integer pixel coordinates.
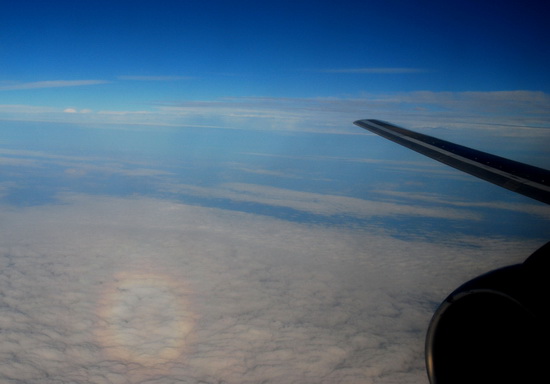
(264, 93)
(128, 55)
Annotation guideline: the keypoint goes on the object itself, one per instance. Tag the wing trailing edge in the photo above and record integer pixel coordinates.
(518, 177)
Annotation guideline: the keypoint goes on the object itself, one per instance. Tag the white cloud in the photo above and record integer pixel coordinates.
(111, 290)
(513, 114)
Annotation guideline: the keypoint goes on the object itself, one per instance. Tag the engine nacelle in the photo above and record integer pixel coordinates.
(494, 328)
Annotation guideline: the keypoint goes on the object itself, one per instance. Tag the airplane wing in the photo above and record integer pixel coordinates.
(518, 177)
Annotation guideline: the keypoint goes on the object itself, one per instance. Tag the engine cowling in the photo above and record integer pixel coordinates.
(494, 328)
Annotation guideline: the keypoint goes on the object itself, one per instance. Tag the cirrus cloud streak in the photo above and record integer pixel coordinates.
(50, 84)
(376, 70)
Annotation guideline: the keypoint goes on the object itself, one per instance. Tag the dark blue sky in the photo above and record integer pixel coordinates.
(126, 53)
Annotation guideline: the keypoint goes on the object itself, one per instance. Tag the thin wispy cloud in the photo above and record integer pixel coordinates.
(50, 84)
(376, 70)
(154, 78)
(24, 110)
(511, 113)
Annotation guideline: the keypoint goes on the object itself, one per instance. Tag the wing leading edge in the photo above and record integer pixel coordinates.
(518, 177)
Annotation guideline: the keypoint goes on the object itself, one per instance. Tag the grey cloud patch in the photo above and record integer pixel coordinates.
(221, 297)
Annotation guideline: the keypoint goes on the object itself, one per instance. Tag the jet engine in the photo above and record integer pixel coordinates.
(494, 328)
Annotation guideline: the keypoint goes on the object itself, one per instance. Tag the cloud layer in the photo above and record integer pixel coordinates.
(513, 114)
(110, 290)
(132, 285)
